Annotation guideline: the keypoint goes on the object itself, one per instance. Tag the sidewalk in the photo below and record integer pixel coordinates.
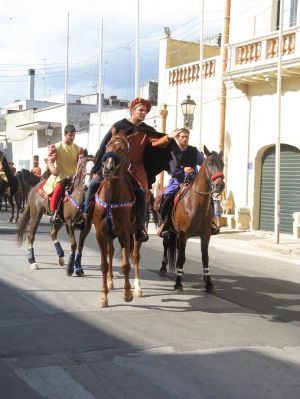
(253, 240)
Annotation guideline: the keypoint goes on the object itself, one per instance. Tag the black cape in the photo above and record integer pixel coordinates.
(155, 159)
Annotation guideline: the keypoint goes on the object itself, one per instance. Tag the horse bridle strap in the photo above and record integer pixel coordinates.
(114, 205)
(216, 175)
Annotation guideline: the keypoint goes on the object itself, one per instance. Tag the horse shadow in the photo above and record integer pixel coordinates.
(277, 300)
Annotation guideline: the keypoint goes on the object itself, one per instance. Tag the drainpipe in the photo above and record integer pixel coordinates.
(224, 52)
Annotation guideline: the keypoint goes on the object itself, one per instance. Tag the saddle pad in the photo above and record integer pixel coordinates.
(184, 188)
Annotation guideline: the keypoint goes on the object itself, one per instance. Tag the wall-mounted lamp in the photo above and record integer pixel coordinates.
(49, 132)
(188, 108)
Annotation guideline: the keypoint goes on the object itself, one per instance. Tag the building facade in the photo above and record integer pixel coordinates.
(251, 122)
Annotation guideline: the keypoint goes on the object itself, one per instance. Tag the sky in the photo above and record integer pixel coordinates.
(33, 34)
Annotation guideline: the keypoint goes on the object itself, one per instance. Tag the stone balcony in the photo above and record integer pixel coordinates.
(257, 60)
(191, 72)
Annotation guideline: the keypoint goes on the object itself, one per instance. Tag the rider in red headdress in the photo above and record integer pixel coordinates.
(147, 155)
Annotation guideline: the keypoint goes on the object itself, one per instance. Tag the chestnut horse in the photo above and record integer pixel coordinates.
(114, 217)
(192, 217)
(37, 205)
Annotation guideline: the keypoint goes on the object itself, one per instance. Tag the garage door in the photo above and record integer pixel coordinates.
(289, 188)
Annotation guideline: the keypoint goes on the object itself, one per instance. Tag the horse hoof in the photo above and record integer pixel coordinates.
(34, 266)
(69, 272)
(104, 304)
(138, 293)
(79, 273)
(178, 288)
(210, 289)
(61, 261)
(128, 298)
(162, 272)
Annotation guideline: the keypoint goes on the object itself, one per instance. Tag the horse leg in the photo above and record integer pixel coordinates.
(71, 263)
(164, 262)
(82, 236)
(136, 260)
(34, 222)
(59, 251)
(209, 286)
(181, 244)
(103, 245)
(11, 202)
(125, 265)
(110, 276)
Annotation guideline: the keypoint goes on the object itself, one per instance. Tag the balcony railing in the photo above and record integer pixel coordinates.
(252, 52)
(190, 73)
(262, 53)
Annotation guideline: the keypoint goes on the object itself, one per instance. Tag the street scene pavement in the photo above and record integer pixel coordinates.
(243, 341)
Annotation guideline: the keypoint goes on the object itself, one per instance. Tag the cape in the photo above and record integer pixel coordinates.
(155, 160)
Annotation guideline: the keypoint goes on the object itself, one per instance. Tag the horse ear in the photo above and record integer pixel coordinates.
(206, 152)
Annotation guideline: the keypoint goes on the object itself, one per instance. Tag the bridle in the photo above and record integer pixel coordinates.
(212, 178)
(119, 161)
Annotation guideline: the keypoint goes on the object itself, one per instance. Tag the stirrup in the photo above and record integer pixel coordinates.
(215, 230)
(55, 219)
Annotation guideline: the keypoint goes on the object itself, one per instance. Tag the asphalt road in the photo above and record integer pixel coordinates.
(56, 342)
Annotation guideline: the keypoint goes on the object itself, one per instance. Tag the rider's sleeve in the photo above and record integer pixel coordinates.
(200, 158)
(100, 153)
(52, 156)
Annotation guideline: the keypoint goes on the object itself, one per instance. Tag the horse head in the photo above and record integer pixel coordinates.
(214, 166)
(115, 155)
(83, 176)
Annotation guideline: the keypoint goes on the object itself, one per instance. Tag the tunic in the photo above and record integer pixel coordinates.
(148, 154)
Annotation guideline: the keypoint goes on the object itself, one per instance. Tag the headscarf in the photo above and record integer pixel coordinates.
(138, 101)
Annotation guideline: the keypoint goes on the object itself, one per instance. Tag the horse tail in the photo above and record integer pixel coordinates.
(22, 225)
(171, 246)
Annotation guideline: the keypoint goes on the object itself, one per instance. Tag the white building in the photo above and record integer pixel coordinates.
(251, 107)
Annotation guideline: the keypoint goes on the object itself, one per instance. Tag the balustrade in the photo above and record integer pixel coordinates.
(191, 73)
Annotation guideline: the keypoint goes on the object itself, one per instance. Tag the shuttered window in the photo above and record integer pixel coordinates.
(289, 188)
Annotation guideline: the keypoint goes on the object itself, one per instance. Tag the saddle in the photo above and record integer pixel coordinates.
(184, 188)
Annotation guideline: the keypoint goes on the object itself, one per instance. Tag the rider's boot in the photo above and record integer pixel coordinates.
(140, 233)
(56, 218)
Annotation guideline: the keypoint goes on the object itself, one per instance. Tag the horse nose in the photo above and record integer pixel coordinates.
(220, 186)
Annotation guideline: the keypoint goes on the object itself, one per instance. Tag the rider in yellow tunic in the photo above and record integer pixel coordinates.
(62, 163)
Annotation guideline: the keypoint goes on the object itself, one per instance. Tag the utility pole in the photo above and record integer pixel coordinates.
(100, 84)
(163, 114)
(137, 52)
(224, 53)
(277, 158)
(67, 74)
(201, 73)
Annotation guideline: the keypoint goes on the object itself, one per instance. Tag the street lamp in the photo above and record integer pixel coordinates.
(188, 108)
(49, 132)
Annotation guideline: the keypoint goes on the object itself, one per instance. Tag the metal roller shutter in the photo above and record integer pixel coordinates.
(289, 188)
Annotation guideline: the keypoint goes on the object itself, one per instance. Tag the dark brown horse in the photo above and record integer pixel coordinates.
(193, 216)
(13, 191)
(114, 217)
(27, 181)
(37, 206)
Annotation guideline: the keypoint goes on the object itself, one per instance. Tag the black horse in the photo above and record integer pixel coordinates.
(27, 180)
(15, 189)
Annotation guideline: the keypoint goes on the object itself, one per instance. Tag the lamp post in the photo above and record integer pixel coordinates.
(49, 132)
(188, 108)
